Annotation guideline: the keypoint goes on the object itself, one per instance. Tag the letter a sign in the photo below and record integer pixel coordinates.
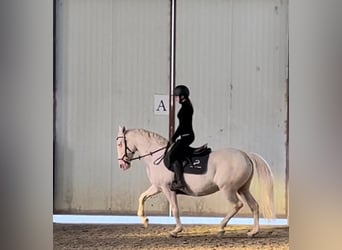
(161, 104)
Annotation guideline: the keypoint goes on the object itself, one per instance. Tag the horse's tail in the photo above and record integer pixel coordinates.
(266, 179)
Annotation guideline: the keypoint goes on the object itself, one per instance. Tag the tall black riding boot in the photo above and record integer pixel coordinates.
(179, 180)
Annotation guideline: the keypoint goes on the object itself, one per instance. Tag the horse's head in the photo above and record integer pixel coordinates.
(124, 148)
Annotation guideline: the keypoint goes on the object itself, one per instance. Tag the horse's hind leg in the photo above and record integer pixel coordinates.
(254, 206)
(151, 191)
(236, 206)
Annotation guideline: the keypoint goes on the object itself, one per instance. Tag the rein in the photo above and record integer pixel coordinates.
(151, 153)
(156, 162)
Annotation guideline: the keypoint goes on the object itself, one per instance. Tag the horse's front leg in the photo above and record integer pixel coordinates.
(151, 191)
(172, 198)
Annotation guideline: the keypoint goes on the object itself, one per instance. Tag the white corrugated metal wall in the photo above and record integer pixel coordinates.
(83, 106)
(113, 56)
(141, 44)
(233, 55)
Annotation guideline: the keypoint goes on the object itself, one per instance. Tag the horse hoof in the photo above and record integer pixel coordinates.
(220, 233)
(174, 234)
(146, 223)
(251, 234)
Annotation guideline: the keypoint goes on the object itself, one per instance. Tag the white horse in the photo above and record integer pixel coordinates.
(229, 170)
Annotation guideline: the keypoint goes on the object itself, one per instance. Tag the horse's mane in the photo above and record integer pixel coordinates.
(151, 135)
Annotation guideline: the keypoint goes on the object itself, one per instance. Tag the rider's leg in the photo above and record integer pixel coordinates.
(179, 180)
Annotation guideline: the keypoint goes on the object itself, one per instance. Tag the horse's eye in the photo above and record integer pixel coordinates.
(120, 144)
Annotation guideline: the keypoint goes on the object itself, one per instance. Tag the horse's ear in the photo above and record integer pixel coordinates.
(122, 129)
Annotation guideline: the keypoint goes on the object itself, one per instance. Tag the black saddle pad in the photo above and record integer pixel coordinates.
(196, 163)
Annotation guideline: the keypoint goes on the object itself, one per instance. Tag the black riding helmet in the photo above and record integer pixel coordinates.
(181, 90)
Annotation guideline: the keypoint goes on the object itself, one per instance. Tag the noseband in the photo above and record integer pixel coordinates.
(127, 149)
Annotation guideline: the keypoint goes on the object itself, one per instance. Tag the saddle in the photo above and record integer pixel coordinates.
(195, 161)
(202, 150)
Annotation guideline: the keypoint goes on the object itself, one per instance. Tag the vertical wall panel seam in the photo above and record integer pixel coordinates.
(231, 85)
(112, 147)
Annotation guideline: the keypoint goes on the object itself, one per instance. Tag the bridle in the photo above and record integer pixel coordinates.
(127, 149)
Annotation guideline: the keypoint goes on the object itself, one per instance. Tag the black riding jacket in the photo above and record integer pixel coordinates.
(185, 121)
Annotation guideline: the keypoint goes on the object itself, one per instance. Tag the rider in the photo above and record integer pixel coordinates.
(184, 132)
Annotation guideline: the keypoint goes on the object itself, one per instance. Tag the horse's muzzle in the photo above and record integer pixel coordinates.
(124, 164)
